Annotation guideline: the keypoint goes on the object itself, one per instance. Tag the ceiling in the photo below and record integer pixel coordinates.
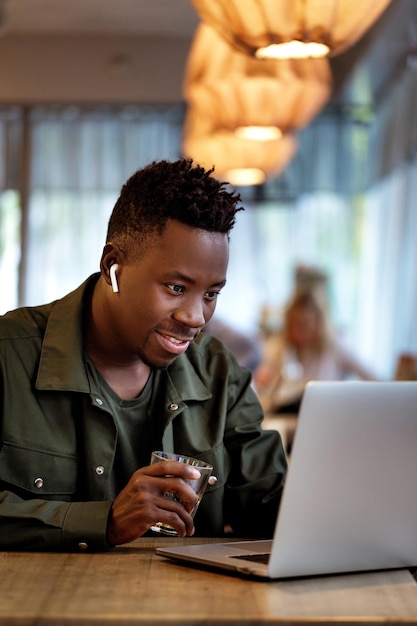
(103, 17)
(363, 72)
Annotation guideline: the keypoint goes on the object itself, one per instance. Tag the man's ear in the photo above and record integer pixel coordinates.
(112, 256)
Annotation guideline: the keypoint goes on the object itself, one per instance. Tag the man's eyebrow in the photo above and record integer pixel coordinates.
(220, 284)
(187, 279)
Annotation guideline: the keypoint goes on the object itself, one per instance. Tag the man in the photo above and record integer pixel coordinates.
(92, 383)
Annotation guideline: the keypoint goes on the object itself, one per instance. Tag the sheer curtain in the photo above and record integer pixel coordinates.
(11, 129)
(79, 161)
(387, 315)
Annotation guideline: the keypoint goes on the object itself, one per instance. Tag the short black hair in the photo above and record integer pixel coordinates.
(180, 190)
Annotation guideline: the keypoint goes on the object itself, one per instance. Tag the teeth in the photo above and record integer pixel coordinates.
(175, 340)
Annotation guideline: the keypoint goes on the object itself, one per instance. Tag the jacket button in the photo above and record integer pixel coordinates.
(99, 401)
(173, 407)
(83, 545)
(99, 470)
(38, 482)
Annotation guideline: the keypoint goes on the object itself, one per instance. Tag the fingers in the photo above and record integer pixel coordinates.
(156, 493)
(130, 518)
(173, 513)
(175, 475)
(176, 490)
(172, 468)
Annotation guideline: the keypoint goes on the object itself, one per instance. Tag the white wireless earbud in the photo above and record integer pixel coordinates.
(113, 278)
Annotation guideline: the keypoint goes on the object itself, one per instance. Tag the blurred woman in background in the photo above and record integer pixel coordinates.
(305, 349)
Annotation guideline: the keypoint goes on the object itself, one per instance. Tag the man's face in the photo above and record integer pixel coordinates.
(169, 294)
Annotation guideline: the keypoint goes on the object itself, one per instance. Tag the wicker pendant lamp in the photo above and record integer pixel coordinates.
(239, 161)
(290, 28)
(237, 91)
(243, 113)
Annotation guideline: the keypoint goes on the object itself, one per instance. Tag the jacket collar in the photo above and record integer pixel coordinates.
(62, 367)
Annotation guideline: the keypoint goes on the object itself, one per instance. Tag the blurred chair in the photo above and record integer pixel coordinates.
(406, 368)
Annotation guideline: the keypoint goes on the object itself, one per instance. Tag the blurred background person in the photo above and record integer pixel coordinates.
(305, 348)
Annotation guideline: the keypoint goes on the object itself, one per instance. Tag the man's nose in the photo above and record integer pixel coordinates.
(191, 313)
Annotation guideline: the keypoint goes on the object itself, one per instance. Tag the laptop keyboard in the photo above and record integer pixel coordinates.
(256, 558)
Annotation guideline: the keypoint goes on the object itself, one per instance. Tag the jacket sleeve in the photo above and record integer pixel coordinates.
(257, 468)
(44, 525)
(224, 427)
(40, 507)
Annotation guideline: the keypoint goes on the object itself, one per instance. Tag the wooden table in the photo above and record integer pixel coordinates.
(131, 585)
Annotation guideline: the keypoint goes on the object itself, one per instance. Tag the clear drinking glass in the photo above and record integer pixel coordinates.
(198, 484)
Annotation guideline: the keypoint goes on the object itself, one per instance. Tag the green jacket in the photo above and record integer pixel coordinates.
(58, 438)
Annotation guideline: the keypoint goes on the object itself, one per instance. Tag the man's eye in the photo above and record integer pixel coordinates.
(211, 295)
(175, 288)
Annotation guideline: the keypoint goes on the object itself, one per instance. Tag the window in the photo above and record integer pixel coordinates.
(61, 170)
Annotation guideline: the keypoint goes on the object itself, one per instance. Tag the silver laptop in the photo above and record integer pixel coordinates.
(350, 498)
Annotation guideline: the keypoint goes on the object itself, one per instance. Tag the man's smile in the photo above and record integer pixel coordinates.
(174, 345)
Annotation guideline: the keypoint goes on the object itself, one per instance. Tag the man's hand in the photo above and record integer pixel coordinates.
(143, 502)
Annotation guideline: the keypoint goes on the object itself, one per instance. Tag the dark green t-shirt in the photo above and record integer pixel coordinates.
(135, 432)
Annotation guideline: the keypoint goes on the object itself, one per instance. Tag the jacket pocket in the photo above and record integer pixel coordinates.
(39, 472)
